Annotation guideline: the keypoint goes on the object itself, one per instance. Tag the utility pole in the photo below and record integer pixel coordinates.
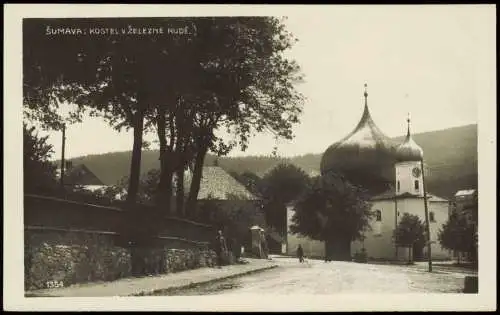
(62, 154)
(395, 221)
(427, 229)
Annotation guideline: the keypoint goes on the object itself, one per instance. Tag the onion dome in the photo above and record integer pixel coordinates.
(409, 150)
(366, 155)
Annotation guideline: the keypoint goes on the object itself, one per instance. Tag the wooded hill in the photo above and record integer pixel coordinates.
(450, 155)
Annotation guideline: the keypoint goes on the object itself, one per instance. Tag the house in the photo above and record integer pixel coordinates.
(80, 176)
(220, 192)
(217, 184)
(226, 202)
(465, 203)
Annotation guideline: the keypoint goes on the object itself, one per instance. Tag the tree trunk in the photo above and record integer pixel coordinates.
(165, 186)
(135, 230)
(135, 164)
(195, 181)
(162, 139)
(338, 248)
(179, 197)
(410, 249)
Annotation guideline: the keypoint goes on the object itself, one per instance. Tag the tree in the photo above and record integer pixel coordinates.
(283, 184)
(38, 171)
(334, 211)
(410, 233)
(251, 181)
(459, 235)
(148, 186)
(230, 73)
(239, 81)
(115, 76)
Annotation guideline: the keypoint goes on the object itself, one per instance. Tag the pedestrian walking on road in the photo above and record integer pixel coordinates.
(300, 253)
(220, 248)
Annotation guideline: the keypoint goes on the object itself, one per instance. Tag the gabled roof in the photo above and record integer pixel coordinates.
(217, 184)
(81, 175)
(390, 194)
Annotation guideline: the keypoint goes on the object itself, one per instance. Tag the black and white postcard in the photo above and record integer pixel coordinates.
(249, 158)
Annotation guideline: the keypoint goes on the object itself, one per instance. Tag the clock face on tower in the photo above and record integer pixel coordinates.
(416, 172)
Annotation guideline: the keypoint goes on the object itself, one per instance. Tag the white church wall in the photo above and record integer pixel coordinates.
(312, 248)
(415, 206)
(440, 210)
(378, 242)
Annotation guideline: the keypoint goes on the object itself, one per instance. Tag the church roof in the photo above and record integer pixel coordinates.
(409, 150)
(366, 150)
(366, 135)
(217, 184)
(390, 194)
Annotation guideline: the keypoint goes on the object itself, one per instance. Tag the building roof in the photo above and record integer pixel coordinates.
(366, 149)
(390, 194)
(409, 150)
(216, 183)
(467, 192)
(81, 175)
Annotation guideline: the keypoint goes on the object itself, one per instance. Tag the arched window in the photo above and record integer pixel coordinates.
(431, 217)
(378, 215)
(417, 186)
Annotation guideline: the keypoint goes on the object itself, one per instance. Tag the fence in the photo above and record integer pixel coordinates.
(41, 211)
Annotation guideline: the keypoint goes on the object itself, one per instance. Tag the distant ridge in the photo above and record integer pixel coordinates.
(450, 154)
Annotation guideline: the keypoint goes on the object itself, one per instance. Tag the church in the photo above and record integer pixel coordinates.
(392, 173)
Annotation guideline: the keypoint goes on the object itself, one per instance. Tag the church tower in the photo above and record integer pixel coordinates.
(409, 156)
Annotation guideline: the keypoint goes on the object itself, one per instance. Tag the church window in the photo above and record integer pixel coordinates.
(417, 187)
(431, 217)
(378, 215)
(399, 186)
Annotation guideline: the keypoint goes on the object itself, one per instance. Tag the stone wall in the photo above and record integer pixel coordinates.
(61, 257)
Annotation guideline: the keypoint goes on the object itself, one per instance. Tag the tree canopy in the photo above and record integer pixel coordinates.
(281, 185)
(410, 231)
(332, 208)
(228, 72)
(38, 171)
(459, 235)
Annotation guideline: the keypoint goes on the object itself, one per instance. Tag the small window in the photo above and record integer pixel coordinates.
(378, 215)
(399, 186)
(417, 186)
(431, 217)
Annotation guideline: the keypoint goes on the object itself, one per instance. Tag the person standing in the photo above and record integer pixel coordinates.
(220, 247)
(300, 253)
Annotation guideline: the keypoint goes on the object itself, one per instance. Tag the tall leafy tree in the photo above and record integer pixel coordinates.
(459, 235)
(229, 74)
(410, 233)
(38, 171)
(280, 186)
(118, 76)
(334, 211)
(239, 81)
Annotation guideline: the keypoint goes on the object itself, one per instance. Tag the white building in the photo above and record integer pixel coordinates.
(395, 168)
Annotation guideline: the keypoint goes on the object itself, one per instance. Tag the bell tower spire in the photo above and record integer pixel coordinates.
(408, 134)
(366, 96)
(366, 112)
